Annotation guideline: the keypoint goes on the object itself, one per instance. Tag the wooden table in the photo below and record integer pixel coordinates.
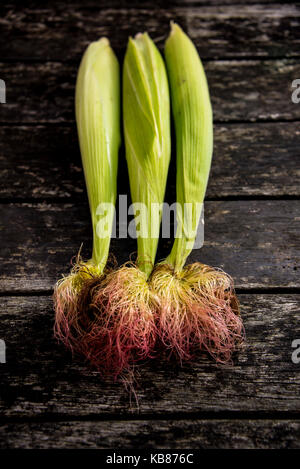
(251, 54)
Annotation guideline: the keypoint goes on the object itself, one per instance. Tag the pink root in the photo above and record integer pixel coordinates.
(69, 327)
(198, 310)
(122, 329)
(65, 305)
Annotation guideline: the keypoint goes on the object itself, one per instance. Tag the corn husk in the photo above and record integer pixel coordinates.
(197, 308)
(146, 120)
(97, 106)
(194, 136)
(124, 299)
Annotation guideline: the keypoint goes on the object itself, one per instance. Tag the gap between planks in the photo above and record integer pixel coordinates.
(71, 123)
(239, 291)
(212, 416)
(74, 198)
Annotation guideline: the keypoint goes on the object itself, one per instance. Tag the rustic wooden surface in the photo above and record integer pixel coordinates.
(42, 382)
(252, 215)
(194, 434)
(242, 166)
(254, 90)
(40, 239)
(60, 31)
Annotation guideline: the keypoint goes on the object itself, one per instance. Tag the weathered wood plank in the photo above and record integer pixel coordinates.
(40, 380)
(158, 434)
(257, 242)
(218, 31)
(240, 90)
(134, 4)
(257, 160)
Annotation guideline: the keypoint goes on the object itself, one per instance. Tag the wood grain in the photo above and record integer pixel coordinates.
(240, 90)
(134, 4)
(257, 242)
(158, 434)
(49, 400)
(40, 31)
(43, 162)
(40, 380)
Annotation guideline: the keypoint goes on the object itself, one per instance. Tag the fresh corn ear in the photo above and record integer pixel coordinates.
(124, 319)
(146, 112)
(97, 104)
(194, 137)
(116, 308)
(197, 306)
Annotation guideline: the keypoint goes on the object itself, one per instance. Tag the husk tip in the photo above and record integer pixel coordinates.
(174, 27)
(104, 40)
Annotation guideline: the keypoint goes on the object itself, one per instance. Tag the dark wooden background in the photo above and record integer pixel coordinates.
(251, 53)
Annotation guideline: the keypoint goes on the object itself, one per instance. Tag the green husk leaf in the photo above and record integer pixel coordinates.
(146, 112)
(97, 105)
(194, 137)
